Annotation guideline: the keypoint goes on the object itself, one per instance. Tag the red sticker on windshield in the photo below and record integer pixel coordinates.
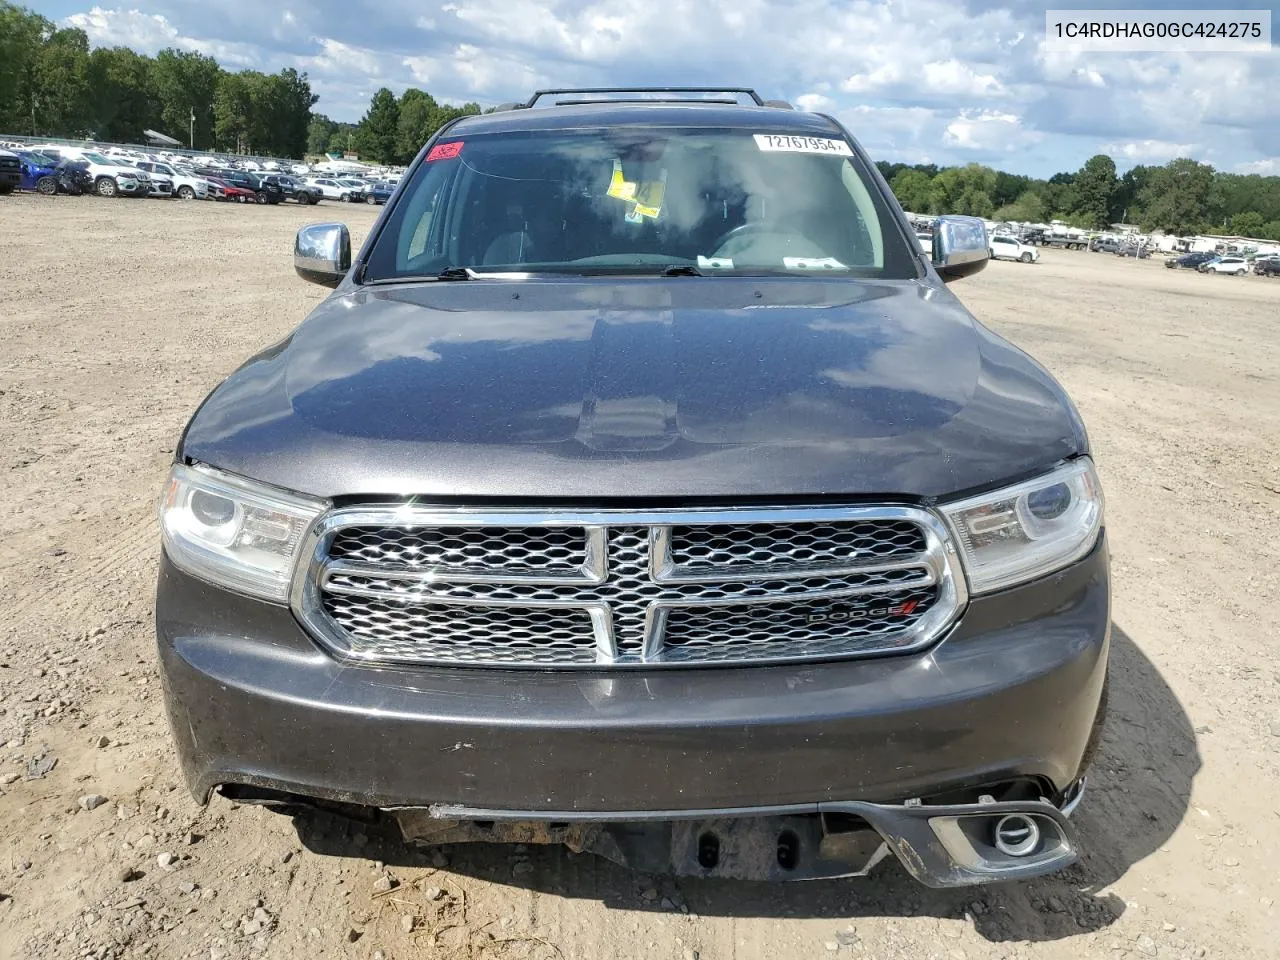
(445, 151)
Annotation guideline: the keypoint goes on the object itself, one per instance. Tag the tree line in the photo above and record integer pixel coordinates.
(52, 84)
(393, 129)
(1182, 197)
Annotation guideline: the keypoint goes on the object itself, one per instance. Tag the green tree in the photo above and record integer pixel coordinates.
(1028, 208)
(375, 137)
(420, 117)
(184, 82)
(1059, 197)
(60, 88)
(965, 190)
(293, 99)
(1234, 193)
(1124, 203)
(233, 112)
(1176, 197)
(22, 36)
(340, 142)
(319, 132)
(914, 191)
(1009, 187)
(1250, 223)
(1095, 186)
(123, 104)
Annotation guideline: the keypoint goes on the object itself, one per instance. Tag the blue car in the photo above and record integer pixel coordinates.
(379, 193)
(38, 173)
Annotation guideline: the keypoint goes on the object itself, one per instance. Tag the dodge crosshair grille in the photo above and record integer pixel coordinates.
(526, 589)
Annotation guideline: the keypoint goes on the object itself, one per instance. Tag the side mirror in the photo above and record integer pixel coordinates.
(322, 253)
(960, 247)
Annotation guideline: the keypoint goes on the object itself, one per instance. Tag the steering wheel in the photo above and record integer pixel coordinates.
(744, 230)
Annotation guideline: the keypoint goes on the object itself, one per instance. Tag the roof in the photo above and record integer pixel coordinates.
(659, 114)
(155, 137)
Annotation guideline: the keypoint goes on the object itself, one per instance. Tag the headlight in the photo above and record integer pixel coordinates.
(238, 534)
(1025, 531)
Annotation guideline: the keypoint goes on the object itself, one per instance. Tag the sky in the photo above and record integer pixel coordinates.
(915, 81)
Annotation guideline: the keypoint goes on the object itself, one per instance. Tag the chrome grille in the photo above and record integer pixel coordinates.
(793, 630)
(796, 544)
(506, 588)
(516, 551)
(407, 631)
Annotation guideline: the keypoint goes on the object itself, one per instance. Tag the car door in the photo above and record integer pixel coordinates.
(1004, 248)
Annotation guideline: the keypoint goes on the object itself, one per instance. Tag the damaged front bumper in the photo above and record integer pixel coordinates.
(941, 845)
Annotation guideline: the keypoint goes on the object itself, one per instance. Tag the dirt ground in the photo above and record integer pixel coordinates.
(116, 317)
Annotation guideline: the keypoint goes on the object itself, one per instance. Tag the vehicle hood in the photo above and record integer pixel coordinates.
(681, 387)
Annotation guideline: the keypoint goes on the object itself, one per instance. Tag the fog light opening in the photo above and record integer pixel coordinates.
(1016, 835)
(788, 850)
(708, 851)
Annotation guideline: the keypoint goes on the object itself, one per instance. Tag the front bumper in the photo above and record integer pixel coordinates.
(1011, 692)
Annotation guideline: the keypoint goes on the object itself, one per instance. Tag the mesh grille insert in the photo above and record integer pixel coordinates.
(692, 589)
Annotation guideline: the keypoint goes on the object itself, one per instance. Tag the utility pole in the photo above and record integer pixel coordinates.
(193, 128)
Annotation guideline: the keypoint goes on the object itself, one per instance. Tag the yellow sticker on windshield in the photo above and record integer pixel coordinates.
(649, 197)
(644, 199)
(619, 186)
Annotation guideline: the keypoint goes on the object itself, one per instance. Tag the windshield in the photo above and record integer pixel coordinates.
(642, 200)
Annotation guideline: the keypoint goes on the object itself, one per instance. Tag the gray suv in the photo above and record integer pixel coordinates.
(642, 487)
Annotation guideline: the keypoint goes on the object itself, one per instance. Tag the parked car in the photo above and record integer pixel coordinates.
(1136, 250)
(74, 177)
(10, 172)
(111, 178)
(294, 189)
(1234, 266)
(226, 190)
(356, 188)
(1104, 245)
(379, 192)
(263, 191)
(1192, 260)
(39, 173)
(186, 186)
(330, 188)
(244, 187)
(535, 457)
(1004, 247)
(1068, 238)
(1268, 266)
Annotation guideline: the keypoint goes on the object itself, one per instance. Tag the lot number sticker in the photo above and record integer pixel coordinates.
(786, 144)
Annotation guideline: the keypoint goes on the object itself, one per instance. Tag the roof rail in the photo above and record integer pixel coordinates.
(591, 95)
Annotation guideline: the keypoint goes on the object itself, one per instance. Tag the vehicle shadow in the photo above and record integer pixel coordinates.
(1139, 788)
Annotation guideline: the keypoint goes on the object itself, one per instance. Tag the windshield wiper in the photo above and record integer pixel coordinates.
(682, 270)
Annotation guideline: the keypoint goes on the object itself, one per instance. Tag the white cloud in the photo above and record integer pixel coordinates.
(126, 28)
(987, 131)
(149, 33)
(1148, 151)
(1268, 167)
(815, 102)
(952, 76)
